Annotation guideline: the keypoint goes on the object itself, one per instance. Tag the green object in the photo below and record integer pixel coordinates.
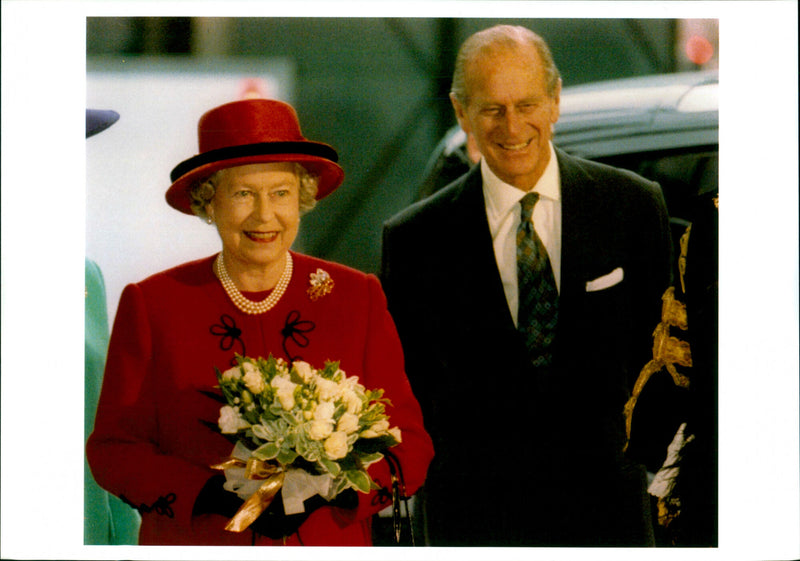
(106, 519)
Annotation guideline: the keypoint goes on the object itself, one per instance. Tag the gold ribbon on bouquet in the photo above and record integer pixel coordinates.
(259, 501)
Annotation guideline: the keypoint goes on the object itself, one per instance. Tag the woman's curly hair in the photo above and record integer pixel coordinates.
(202, 193)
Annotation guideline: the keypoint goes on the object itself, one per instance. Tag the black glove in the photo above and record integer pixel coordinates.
(275, 523)
(214, 499)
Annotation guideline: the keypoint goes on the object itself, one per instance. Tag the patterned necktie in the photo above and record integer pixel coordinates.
(538, 296)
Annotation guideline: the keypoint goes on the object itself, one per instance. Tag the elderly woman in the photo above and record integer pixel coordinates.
(154, 439)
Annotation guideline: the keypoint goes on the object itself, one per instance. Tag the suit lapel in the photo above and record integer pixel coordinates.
(474, 255)
(586, 241)
(583, 250)
(577, 241)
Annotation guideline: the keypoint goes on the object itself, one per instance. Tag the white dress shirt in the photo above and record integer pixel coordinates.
(503, 212)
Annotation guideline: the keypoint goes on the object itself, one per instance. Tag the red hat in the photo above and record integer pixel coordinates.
(251, 131)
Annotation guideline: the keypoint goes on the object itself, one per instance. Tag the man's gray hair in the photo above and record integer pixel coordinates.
(501, 36)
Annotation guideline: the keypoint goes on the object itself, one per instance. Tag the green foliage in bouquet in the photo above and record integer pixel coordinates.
(317, 420)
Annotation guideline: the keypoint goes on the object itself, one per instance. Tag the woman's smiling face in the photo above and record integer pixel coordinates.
(256, 208)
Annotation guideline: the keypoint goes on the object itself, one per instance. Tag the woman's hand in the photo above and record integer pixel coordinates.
(273, 523)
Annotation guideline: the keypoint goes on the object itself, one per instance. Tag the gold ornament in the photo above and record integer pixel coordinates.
(321, 284)
(682, 259)
(667, 352)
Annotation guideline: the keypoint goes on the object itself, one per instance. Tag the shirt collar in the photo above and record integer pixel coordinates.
(501, 197)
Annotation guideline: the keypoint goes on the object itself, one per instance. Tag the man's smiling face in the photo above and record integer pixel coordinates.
(509, 112)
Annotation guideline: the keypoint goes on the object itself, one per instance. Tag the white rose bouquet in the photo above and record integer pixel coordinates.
(303, 430)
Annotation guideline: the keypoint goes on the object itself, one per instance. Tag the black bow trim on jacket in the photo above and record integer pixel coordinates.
(229, 334)
(161, 506)
(295, 329)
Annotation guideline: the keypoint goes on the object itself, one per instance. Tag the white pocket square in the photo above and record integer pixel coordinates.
(606, 281)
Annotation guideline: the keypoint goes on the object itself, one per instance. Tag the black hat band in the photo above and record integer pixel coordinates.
(261, 149)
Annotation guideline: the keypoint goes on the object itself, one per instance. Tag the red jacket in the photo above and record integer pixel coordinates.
(150, 444)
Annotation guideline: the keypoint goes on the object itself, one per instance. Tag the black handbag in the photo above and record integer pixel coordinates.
(402, 526)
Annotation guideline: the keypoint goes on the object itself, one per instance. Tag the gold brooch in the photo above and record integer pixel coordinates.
(321, 284)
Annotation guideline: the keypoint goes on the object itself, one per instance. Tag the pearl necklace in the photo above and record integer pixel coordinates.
(244, 304)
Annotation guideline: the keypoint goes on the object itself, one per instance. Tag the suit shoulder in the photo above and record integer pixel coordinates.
(603, 182)
(430, 208)
(611, 175)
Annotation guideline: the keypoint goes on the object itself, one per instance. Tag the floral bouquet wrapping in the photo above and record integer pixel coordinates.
(300, 430)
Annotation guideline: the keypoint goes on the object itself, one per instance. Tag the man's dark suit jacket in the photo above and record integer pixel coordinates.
(528, 456)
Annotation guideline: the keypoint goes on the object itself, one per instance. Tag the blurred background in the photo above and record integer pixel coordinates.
(374, 88)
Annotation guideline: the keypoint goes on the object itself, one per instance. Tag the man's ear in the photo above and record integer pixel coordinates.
(555, 107)
(461, 113)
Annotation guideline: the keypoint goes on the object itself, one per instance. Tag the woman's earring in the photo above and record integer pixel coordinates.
(210, 220)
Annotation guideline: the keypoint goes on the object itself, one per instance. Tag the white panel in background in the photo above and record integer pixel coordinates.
(131, 232)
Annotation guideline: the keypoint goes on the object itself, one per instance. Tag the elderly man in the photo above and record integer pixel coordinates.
(525, 294)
